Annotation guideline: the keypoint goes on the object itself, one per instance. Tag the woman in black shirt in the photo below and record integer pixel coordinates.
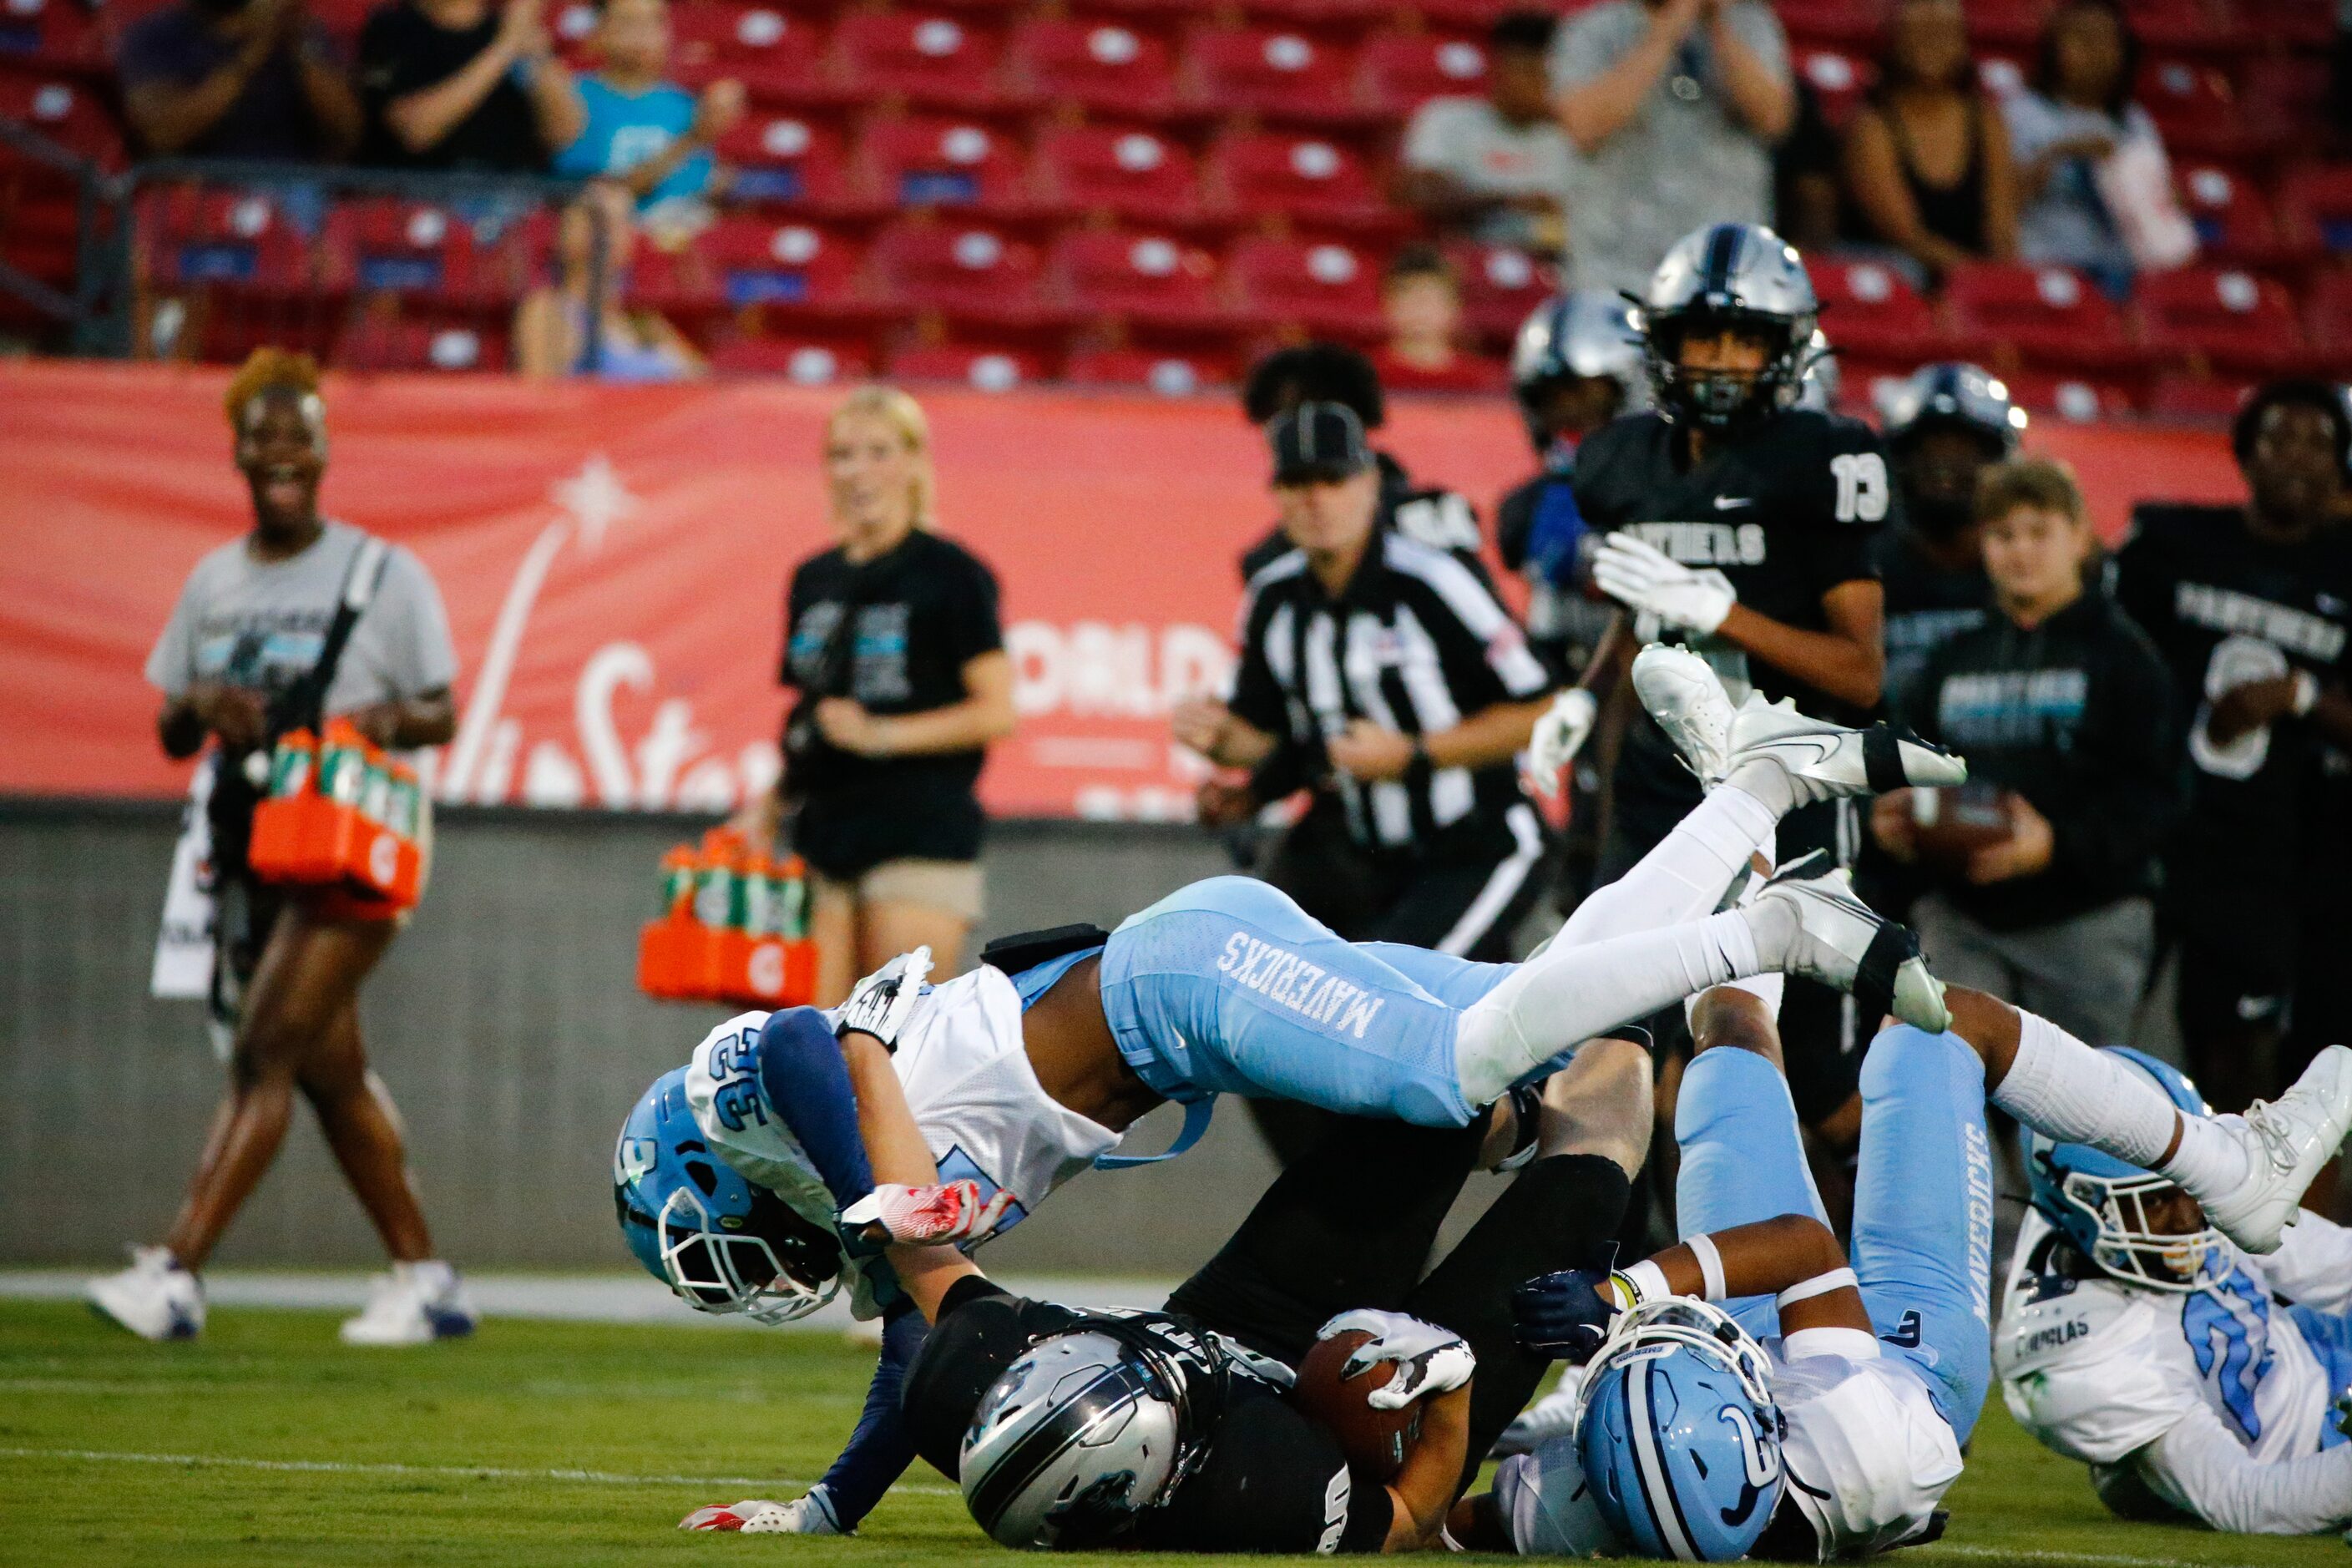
(891, 639)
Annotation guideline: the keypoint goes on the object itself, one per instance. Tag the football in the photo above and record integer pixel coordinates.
(1373, 1440)
(1948, 826)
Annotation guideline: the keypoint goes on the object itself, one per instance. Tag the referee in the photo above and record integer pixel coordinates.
(1389, 665)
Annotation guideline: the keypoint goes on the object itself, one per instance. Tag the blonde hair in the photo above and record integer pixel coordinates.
(2045, 484)
(905, 417)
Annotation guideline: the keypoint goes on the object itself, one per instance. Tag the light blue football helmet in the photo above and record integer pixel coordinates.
(1679, 1436)
(723, 1245)
(2100, 1203)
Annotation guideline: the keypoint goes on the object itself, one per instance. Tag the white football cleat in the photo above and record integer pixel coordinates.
(154, 1297)
(2287, 1141)
(1846, 946)
(803, 1516)
(1553, 1416)
(414, 1304)
(1828, 761)
(1686, 698)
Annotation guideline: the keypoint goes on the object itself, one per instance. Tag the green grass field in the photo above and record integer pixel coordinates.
(578, 1444)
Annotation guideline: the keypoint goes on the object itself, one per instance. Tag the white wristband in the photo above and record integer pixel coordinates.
(1710, 1265)
(1643, 1282)
(1819, 1285)
(2306, 692)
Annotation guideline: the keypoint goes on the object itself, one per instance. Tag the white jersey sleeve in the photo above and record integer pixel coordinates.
(1867, 1454)
(2082, 1367)
(2201, 1466)
(1547, 1506)
(2313, 1265)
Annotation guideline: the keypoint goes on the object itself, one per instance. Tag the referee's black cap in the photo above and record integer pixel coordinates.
(1317, 442)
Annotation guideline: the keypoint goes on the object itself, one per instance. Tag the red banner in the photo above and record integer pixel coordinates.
(613, 559)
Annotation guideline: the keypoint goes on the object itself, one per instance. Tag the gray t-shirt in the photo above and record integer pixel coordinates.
(1466, 141)
(260, 625)
(2068, 225)
(1685, 159)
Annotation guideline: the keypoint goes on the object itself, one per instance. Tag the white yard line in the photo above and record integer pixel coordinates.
(458, 1472)
(2030, 1554)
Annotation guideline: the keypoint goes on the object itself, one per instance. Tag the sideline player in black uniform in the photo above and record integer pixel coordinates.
(2252, 608)
(1743, 524)
(1943, 425)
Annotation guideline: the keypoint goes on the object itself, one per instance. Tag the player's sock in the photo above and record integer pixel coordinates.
(2208, 1159)
(1566, 996)
(2061, 1087)
(1766, 783)
(1681, 877)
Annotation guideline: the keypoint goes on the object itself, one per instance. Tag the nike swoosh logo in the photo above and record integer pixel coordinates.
(1724, 504)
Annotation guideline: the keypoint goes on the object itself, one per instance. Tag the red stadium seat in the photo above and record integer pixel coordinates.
(1278, 74)
(2196, 399)
(2196, 107)
(2331, 321)
(2007, 25)
(2078, 400)
(788, 158)
(799, 359)
(2233, 320)
(1134, 174)
(1322, 287)
(191, 236)
(1304, 177)
(1170, 375)
(464, 342)
(67, 112)
(2316, 206)
(1150, 279)
(1473, 15)
(1329, 16)
(933, 61)
(1102, 67)
(931, 161)
(51, 35)
(379, 245)
(2056, 319)
(2289, 21)
(778, 58)
(1501, 287)
(794, 265)
(964, 270)
(686, 286)
(1402, 71)
(1468, 373)
(2234, 223)
(1872, 312)
(1838, 79)
(989, 369)
(2189, 26)
(1839, 24)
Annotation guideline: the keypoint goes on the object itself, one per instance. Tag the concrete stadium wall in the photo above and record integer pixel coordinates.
(508, 1023)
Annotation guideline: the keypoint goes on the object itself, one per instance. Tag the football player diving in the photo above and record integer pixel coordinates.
(1833, 1398)
(2199, 1383)
(732, 1173)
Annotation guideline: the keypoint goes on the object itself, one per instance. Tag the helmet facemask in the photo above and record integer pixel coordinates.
(2126, 1240)
(1726, 399)
(1645, 1329)
(722, 1269)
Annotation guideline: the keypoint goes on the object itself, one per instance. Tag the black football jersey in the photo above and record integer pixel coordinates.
(1786, 512)
(1925, 607)
(1564, 624)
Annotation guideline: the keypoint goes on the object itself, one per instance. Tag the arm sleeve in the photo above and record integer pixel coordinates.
(425, 658)
(972, 624)
(172, 663)
(2136, 758)
(804, 1076)
(1257, 698)
(2313, 1266)
(879, 1448)
(2198, 1466)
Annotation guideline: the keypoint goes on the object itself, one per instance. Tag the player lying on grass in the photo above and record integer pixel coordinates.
(1176, 1429)
(1025, 1071)
(2195, 1379)
(1840, 1437)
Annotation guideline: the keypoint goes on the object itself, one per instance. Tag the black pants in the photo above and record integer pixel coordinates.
(1351, 1222)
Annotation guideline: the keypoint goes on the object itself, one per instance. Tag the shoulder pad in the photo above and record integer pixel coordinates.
(2081, 1370)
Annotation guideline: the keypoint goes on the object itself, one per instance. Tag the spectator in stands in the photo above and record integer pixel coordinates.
(2074, 121)
(1673, 106)
(237, 79)
(1493, 169)
(464, 84)
(1808, 180)
(1422, 299)
(553, 335)
(1926, 158)
(640, 127)
(2064, 704)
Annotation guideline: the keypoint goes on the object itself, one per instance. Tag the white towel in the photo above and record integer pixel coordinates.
(184, 943)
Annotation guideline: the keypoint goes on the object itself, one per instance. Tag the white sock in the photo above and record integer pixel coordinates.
(2063, 1089)
(2208, 1161)
(1684, 876)
(1766, 781)
(1557, 1001)
(1772, 924)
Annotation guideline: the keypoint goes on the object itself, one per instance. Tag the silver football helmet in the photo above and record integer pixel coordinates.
(1588, 335)
(1818, 389)
(1952, 394)
(1735, 276)
(1077, 1440)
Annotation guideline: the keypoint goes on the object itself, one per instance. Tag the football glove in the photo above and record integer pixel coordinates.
(1430, 1359)
(927, 1216)
(1564, 1315)
(1559, 735)
(879, 1005)
(803, 1516)
(1645, 579)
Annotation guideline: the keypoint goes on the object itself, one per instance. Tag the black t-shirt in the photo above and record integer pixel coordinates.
(1786, 512)
(922, 613)
(1271, 1480)
(402, 52)
(180, 47)
(1924, 605)
(2196, 578)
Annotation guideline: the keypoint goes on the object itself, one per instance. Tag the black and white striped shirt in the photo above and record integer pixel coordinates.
(1416, 643)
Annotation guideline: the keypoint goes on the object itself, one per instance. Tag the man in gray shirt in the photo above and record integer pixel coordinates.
(1494, 168)
(1672, 106)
